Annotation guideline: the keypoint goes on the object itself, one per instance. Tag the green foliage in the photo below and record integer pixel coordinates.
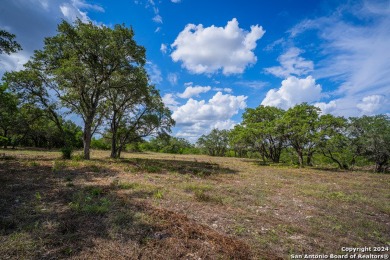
(137, 111)
(90, 201)
(81, 65)
(66, 152)
(215, 143)
(7, 43)
(158, 194)
(100, 144)
(301, 124)
(58, 166)
(168, 144)
(8, 115)
(334, 143)
(128, 185)
(262, 131)
(371, 138)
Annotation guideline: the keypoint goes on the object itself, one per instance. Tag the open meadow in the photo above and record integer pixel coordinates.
(161, 206)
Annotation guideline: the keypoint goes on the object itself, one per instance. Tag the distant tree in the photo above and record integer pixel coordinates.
(239, 141)
(168, 144)
(8, 114)
(32, 86)
(177, 145)
(265, 131)
(215, 143)
(334, 142)
(301, 124)
(371, 137)
(7, 43)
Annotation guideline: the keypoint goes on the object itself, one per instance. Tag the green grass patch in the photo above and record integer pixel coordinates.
(193, 187)
(90, 201)
(58, 166)
(158, 194)
(128, 185)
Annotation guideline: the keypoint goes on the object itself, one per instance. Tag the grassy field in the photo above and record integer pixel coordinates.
(160, 206)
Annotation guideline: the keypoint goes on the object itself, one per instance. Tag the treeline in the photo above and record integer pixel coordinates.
(273, 133)
(301, 135)
(94, 72)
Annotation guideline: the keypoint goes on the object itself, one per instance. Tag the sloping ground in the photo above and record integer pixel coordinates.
(159, 206)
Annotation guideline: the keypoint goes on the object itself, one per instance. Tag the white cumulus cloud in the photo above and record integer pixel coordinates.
(293, 91)
(170, 101)
(291, 64)
(227, 90)
(199, 117)
(327, 108)
(371, 104)
(210, 49)
(193, 91)
(219, 107)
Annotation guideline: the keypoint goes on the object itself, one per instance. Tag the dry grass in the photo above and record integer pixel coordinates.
(159, 206)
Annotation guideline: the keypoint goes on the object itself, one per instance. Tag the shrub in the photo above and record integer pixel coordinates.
(67, 152)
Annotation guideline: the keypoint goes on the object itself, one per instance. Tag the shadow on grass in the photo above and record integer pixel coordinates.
(60, 214)
(202, 169)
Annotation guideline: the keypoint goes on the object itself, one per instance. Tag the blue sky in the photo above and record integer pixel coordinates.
(213, 59)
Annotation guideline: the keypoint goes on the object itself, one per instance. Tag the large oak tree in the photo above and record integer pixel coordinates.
(80, 62)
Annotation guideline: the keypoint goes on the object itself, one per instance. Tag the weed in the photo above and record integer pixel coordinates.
(94, 168)
(95, 191)
(90, 202)
(158, 194)
(204, 197)
(196, 187)
(38, 196)
(239, 230)
(33, 164)
(152, 168)
(58, 166)
(78, 157)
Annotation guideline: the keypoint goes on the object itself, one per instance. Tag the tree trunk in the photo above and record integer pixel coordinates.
(379, 166)
(87, 136)
(118, 154)
(113, 146)
(6, 139)
(300, 158)
(309, 159)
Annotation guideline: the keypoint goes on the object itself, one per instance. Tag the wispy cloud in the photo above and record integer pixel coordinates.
(291, 64)
(354, 54)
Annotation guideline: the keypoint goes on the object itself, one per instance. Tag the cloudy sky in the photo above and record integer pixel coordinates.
(213, 59)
